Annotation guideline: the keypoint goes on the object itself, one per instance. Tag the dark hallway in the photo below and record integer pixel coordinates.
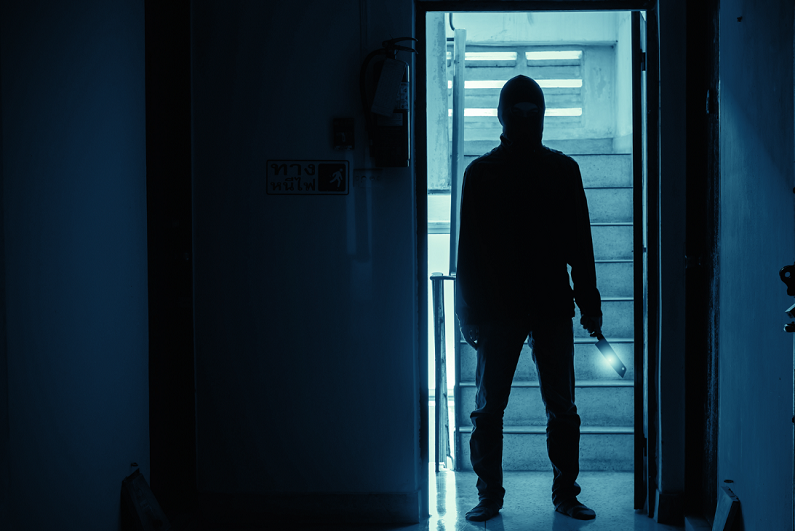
(207, 276)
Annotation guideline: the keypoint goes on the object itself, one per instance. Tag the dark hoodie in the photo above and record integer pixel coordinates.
(524, 216)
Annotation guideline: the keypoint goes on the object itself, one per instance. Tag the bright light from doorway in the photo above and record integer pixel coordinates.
(490, 56)
(553, 56)
(571, 111)
(498, 83)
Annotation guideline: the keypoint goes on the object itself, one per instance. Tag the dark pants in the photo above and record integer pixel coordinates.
(499, 346)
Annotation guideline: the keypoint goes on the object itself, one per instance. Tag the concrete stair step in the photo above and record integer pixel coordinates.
(604, 170)
(612, 241)
(488, 128)
(609, 205)
(524, 449)
(615, 279)
(572, 147)
(589, 364)
(489, 98)
(617, 316)
(554, 125)
(598, 170)
(599, 403)
(605, 205)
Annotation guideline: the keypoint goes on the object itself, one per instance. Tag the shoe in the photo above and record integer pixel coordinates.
(484, 510)
(576, 510)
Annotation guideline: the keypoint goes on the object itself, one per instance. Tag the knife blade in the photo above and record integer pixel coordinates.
(610, 355)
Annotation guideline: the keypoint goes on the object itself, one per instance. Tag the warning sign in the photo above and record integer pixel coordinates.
(307, 177)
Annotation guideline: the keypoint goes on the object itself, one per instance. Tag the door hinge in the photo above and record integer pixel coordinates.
(642, 61)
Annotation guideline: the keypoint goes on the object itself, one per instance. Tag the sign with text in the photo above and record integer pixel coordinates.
(308, 177)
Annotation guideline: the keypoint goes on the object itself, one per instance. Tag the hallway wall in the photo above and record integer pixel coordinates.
(74, 230)
(757, 238)
(306, 306)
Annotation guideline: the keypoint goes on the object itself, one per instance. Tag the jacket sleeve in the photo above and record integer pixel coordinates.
(468, 266)
(581, 256)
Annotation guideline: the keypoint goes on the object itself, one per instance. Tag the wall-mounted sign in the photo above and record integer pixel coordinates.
(308, 177)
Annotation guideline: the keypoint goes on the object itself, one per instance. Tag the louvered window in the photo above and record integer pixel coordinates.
(558, 72)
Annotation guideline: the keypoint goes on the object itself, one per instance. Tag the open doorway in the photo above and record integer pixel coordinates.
(584, 63)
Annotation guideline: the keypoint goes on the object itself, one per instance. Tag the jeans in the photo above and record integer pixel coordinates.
(499, 346)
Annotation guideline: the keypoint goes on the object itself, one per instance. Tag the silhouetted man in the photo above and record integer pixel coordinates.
(524, 216)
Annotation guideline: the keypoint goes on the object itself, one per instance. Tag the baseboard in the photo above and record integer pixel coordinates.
(355, 508)
(669, 508)
(696, 523)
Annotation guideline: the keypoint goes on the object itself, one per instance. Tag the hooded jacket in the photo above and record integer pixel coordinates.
(524, 217)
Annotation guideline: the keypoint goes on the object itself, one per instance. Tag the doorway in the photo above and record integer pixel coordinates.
(584, 63)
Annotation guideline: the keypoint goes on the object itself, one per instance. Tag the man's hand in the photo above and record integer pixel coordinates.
(471, 334)
(592, 324)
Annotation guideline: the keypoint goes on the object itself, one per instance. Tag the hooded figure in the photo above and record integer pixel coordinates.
(524, 220)
(521, 112)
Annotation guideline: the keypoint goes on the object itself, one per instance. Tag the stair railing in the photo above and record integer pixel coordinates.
(442, 421)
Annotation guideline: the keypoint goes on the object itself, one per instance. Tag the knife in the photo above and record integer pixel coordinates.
(610, 355)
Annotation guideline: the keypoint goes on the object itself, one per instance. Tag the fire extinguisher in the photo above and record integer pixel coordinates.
(386, 104)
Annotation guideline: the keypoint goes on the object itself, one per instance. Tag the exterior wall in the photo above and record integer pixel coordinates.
(306, 306)
(74, 201)
(757, 237)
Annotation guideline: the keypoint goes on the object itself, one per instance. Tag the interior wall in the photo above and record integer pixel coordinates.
(757, 238)
(74, 204)
(305, 306)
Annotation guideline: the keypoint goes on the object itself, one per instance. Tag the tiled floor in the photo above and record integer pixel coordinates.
(528, 506)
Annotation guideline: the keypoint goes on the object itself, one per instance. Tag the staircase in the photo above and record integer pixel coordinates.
(604, 400)
(578, 123)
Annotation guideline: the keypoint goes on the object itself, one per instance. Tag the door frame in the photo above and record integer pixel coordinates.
(647, 346)
(169, 197)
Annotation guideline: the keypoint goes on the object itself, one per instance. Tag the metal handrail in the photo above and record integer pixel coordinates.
(442, 421)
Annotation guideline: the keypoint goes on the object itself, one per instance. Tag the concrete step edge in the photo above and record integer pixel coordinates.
(542, 430)
(611, 224)
(581, 383)
(593, 340)
(590, 340)
(442, 227)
